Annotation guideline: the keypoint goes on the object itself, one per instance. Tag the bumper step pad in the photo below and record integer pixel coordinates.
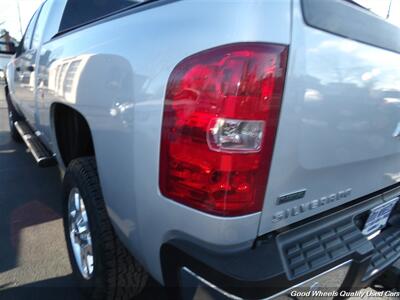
(387, 250)
(308, 253)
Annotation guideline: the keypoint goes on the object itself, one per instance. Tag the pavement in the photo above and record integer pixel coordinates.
(34, 262)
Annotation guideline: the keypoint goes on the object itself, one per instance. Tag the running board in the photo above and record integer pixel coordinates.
(43, 157)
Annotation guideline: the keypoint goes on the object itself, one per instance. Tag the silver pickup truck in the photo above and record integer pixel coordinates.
(230, 149)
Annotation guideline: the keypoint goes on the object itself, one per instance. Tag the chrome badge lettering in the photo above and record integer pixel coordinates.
(309, 206)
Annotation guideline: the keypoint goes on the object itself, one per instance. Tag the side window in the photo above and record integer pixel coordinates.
(54, 19)
(40, 24)
(26, 43)
(78, 12)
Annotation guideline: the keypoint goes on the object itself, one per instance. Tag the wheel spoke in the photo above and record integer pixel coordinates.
(72, 214)
(87, 249)
(80, 236)
(90, 262)
(81, 205)
(84, 261)
(88, 253)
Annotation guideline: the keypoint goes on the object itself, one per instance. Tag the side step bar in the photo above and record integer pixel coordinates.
(43, 157)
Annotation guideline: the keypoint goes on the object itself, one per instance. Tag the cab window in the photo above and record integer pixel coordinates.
(27, 38)
(78, 12)
(40, 24)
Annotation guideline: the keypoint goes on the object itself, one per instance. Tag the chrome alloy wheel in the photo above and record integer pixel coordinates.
(79, 233)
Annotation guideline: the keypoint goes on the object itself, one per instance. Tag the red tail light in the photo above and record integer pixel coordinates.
(219, 124)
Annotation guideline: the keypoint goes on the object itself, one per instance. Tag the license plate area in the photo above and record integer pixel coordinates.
(378, 217)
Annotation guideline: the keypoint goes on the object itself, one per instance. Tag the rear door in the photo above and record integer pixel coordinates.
(339, 131)
(24, 72)
(31, 94)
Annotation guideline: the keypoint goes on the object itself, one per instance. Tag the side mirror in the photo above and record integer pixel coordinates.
(7, 48)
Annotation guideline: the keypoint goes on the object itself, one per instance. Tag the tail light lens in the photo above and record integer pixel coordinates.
(219, 125)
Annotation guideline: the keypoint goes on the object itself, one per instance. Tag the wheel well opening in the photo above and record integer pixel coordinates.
(73, 134)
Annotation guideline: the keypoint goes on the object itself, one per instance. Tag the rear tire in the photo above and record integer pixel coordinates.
(115, 273)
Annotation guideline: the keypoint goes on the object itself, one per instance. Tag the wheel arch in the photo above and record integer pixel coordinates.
(72, 133)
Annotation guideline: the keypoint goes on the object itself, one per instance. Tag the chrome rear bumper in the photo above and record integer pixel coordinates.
(324, 285)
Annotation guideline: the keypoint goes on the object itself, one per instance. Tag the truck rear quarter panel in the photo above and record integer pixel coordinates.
(115, 73)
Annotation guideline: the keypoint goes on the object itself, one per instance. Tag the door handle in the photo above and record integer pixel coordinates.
(30, 68)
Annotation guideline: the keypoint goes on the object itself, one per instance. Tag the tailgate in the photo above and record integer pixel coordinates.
(339, 130)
